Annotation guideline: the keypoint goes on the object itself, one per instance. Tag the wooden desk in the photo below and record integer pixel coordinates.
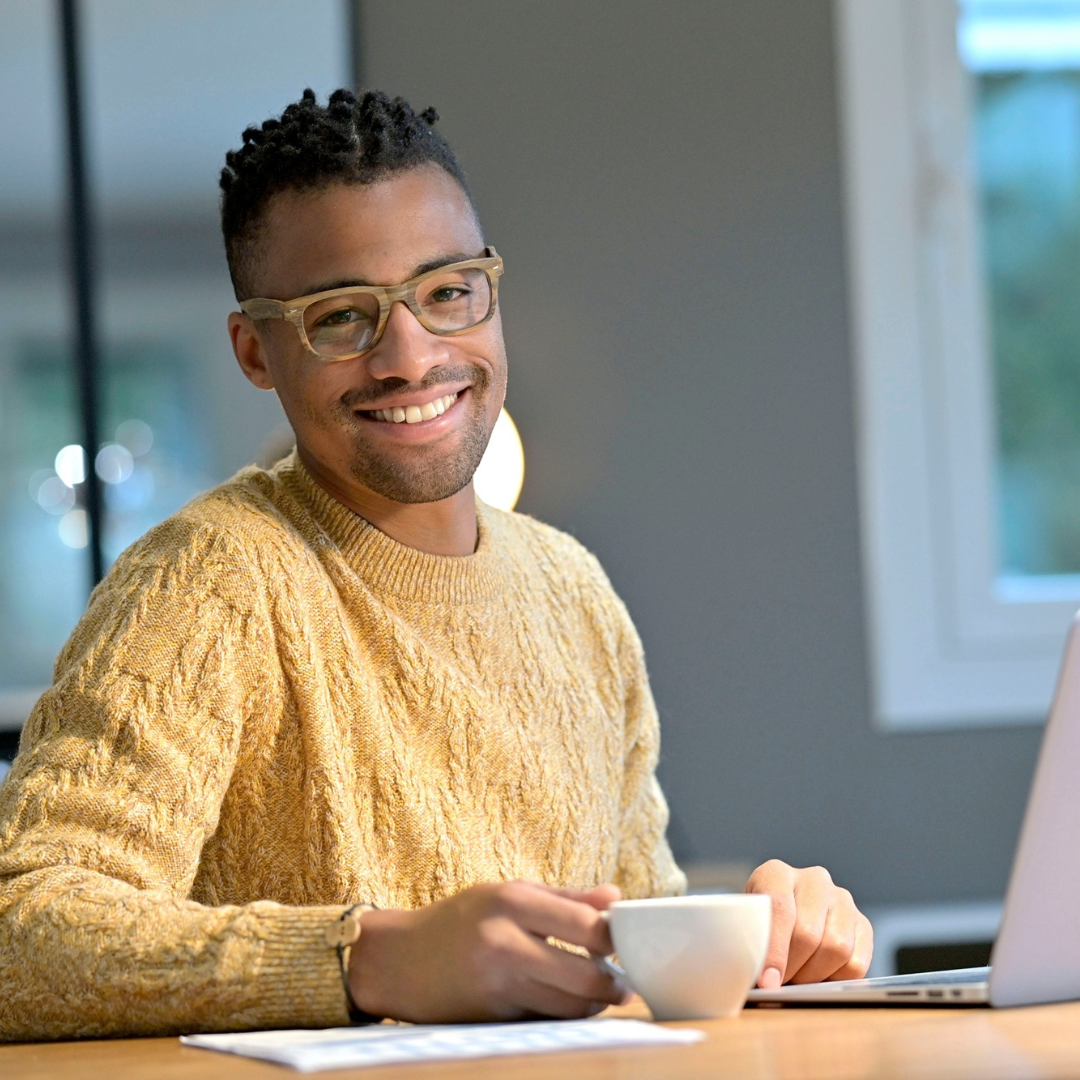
(789, 1044)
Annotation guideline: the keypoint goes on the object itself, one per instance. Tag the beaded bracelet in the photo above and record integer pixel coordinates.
(343, 934)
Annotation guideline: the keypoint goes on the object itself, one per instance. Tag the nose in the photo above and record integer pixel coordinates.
(406, 350)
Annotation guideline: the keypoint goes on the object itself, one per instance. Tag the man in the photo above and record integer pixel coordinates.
(342, 682)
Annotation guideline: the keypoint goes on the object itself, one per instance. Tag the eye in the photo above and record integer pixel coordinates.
(345, 316)
(448, 294)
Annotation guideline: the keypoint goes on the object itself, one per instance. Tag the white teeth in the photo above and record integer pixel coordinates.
(413, 414)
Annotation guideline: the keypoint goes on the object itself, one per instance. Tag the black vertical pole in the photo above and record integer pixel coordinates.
(354, 19)
(82, 278)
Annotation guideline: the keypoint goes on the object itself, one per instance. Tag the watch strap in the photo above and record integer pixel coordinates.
(342, 934)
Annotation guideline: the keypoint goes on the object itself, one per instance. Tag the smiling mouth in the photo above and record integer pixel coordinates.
(413, 414)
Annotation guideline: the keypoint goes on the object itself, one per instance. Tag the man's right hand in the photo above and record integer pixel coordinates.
(483, 955)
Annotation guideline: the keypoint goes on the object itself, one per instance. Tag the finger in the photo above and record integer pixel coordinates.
(836, 944)
(814, 891)
(545, 913)
(549, 981)
(600, 897)
(581, 976)
(541, 1000)
(777, 881)
(859, 964)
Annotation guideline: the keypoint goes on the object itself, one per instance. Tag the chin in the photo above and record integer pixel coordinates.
(410, 485)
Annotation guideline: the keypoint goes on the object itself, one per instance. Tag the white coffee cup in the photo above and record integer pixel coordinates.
(692, 957)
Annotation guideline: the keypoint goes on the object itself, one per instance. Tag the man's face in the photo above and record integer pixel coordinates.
(380, 234)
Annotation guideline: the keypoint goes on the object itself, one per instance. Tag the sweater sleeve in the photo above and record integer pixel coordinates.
(646, 866)
(118, 784)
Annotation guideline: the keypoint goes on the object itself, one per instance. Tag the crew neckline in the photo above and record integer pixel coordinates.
(392, 568)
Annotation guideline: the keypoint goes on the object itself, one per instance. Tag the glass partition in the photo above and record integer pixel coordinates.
(167, 90)
(42, 579)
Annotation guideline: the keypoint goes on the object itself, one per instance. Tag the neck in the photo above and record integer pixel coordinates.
(446, 527)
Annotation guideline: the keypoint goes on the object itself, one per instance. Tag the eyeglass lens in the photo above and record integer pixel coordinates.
(447, 302)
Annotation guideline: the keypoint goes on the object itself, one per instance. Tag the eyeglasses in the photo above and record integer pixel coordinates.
(341, 324)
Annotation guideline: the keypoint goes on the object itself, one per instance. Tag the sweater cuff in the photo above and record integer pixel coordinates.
(295, 977)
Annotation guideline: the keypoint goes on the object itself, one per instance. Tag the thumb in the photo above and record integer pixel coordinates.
(776, 880)
(776, 958)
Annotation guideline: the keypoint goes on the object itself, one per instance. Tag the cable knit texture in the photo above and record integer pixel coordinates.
(271, 710)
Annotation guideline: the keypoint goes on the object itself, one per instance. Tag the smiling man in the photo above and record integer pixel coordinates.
(337, 740)
(395, 436)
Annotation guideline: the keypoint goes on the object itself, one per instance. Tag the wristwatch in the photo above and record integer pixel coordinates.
(342, 934)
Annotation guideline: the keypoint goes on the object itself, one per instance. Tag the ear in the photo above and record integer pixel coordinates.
(249, 351)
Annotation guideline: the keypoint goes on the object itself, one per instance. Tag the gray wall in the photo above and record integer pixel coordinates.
(663, 181)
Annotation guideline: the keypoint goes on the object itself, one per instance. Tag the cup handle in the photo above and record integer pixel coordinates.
(607, 964)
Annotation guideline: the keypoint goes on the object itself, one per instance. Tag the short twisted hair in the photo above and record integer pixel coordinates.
(350, 140)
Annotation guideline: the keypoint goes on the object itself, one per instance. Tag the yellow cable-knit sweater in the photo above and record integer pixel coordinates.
(272, 710)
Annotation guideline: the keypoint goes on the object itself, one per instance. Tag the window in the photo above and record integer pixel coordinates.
(961, 137)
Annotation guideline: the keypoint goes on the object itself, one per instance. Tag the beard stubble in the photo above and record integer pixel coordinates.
(427, 473)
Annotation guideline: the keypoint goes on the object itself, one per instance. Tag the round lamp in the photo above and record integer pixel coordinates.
(499, 476)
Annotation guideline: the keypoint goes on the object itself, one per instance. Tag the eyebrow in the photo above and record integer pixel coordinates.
(423, 268)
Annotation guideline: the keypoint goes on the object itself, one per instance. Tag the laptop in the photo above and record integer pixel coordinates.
(1036, 957)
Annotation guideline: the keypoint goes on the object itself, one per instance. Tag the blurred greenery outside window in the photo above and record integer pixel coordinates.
(1024, 62)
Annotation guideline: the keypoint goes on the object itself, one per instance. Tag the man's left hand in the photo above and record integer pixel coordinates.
(817, 931)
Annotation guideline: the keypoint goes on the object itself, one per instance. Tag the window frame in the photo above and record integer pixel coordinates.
(953, 644)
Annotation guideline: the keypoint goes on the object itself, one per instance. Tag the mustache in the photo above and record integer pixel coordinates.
(362, 396)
